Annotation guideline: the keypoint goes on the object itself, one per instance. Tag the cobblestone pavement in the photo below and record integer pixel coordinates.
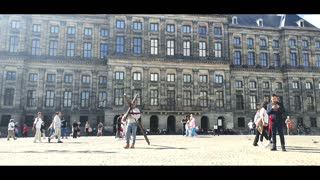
(164, 150)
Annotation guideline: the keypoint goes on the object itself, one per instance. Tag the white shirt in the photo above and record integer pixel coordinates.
(250, 125)
(38, 122)
(11, 126)
(263, 112)
(132, 118)
(56, 122)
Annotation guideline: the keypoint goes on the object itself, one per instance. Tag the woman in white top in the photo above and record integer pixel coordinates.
(261, 115)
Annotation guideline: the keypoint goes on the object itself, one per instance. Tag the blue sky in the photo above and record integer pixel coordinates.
(312, 18)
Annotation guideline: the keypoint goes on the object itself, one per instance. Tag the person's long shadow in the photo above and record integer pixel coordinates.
(303, 149)
(60, 151)
(159, 147)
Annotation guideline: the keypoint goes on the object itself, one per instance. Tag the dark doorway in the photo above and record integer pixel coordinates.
(115, 124)
(154, 124)
(47, 120)
(29, 119)
(171, 125)
(5, 120)
(83, 120)
(300, 121)
(205, 123)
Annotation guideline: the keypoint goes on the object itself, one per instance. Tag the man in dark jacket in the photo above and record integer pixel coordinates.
(275, 109)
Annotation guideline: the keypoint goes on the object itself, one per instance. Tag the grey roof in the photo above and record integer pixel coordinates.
(269, 20)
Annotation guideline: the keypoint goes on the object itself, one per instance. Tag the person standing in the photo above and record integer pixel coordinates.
(37, 126)
(184, 122)
(250, 126)
(119, 126)
(289, 124)
(11, 130)
(64, 129)
(57, 127)
(275, 109)
(74, 129)
(100, 128)
(25, 130)
(133, 116)
(87, 127)
(43, 129)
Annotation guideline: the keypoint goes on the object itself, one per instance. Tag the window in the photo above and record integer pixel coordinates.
(305, 44)
(15, 24)
(186, 78)
(104, 32)
(67, 98)
(170, 47)
(308, 85)
(119, 44)
(33, 77)
(154, 46)
(253, 102)
(266, 85)
(49, 101)
(70, 48)
(8, 96)
(35, 47)
(102, 80)
(295, 85)
(279, 85)
(137, 25)
(317, 44)
(11, 75)
(238, 84)
(263, 43)
(251, 60)
(318, 60)
(249, 42)
(202, 49)
(14, 44)
(53, 47)
(51, 78)
(203, 98)
(305, 59)
(170, 28)
(103, 50)
(276, 58)
(120, 24)
(239, 102)
(264, 59)
(68, 78)
(217, 31)
(203, 78)
(275, 43)
(260, 22)
(237, 58)
(186, 48)
(293, 59)
(170, 77)
(87, 50)
(292, 43)
(36, 28)
(102, 100)
(85, 79)
(310, 103)
(171, 94)
(119, 75)
(297, 103)
(71, 30)
(266, 98)
(154, 27)
(31, 98)
(236, 41)
(154, 97)
(186, 98)
(219, 79)
(137, 45)
(220, 99)
(241, 122)
(313, 122)
(186, 29)
(84, 100)
(234, 20)
(54, 29)
(118, 96)
(252, 85)
(217, 50)
(202, 30)
(138, 92)
(137, 76)
(154, 76)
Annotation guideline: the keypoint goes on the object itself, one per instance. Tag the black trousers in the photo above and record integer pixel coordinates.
(183, 128)
(277, 127)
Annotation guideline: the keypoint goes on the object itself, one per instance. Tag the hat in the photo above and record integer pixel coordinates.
(11, 120)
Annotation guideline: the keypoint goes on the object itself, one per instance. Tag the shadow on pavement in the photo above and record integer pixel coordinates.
(158, 147)
(303, 149)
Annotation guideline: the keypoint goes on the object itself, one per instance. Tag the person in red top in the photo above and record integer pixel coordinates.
(289, 125)
(25, 130)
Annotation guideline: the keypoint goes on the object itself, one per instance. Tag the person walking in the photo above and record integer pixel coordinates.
(57, 127)
(37, 127)
(11, 130)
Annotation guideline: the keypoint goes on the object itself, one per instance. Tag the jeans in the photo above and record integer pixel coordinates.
(64, 132)
(133, 127)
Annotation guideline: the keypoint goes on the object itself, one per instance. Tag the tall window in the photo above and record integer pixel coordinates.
(104, 32)
(313, 122)
(275, 43)
(249, 42)
(102, 80)
(85, 79)
(237, 58)
(264, 59)
(13, 44)
(170, 47)
(119, 75)
(87, 50)
(137, 76)
(186, 29)
(53, 47)
(308, 85)
(71, 30)
(186, 48)
(137, 45)
(102, 100)
(35, 47)
(310, 103)
(279, 85)
(33, 77)
(36, 28)
(186, 98)
(154, 97)
(236, 41)
(49, 102)
(202, 49)
(118, 96)
(220, 99)
(292, 43)
(263, 43)
(70, 48)
(8, 96)
(305, 44)
(239, 102)
(15, 24)
(154, 27)
(68, 78)
(203, 78)
(318, 60)
(170, 28)
(120, 24)
(186, 78)
(217, 50)
(103, 50)
(295, 85)
(137, 25)
(11, 75)
(54, 29)
(170, 77)
(202, 30)
(253, 102)
(171, 101)
(203, 98)
(305, 59)
(252, 85)
(154, 46)
(119, 44)
(276, 58)
(154, 76)
(84, 101)
(51, 78)
(297, 103)
(31, 98)
(217, 31)
(317, 44)
(219, 79)
(293, 59)
(87, 31)
(138, 92)
(251, 60)
(238, 84)
(67, 98)
(266, 85)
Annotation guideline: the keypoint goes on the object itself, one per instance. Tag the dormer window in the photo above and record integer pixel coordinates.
(260, 22)
(300, 23)
(234, 20)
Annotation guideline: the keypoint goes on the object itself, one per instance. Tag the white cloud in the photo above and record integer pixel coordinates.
(314, 19)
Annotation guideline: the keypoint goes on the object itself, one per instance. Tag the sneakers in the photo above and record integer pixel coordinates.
(283, 149)
(260, 144)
